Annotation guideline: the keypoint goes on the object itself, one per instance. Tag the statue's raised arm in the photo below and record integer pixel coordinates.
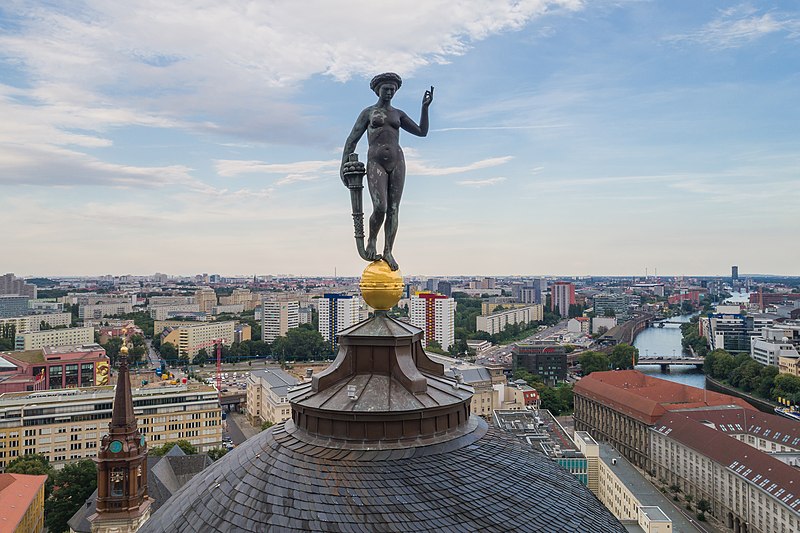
(386, 166)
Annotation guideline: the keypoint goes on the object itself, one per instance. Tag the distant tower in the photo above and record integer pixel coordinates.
(122, 502)
(562, 296)
(734, 273)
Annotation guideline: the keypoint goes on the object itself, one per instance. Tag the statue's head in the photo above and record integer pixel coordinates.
(386, 77)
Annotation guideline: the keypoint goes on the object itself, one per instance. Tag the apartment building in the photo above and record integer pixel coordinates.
(166, 311)
(104, 309)
(497, 322)
(206, 298)
(22, 503)
(24, 324)
(13, 305)
(435, 314)
(562, 295)
(243, 297)
(278, 317)
(11, 284)
(68, 425)
(190, 337)
(337, 312)
(268, 395)
(33, 340)
(749, 491)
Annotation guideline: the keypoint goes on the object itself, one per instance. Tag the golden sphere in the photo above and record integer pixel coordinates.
(381, 286)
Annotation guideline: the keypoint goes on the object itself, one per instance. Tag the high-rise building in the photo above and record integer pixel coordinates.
(734, 273)
(10, 284)
(206, 298)
(278, 317)
(445, 287)
(191, 337)
(336, 312)
(435, 314)
(532, 293)
(562, 296)
(546, 359)
(13, 305)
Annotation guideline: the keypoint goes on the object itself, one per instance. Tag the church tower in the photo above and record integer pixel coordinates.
(122, 501)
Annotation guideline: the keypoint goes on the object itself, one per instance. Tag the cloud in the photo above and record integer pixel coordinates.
(481, 183)
(418, 168)
(738, 26)
(232, 167)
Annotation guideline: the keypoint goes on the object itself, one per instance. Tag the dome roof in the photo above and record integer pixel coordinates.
(285, 479)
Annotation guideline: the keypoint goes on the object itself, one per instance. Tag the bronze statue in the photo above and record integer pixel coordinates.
(386, 167)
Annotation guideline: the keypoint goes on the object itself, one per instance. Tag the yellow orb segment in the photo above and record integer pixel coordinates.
(381, 286)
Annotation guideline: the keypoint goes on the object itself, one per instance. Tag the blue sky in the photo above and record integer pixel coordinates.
(567, 137)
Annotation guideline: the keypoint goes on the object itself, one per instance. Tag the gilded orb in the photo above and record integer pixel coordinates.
(381, 286)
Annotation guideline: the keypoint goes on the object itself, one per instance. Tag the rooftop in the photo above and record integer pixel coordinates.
(17, 492)
(646, 398)
(762, 470)
(735, 420)
(645, 492)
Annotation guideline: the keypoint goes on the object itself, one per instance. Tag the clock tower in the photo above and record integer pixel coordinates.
(122, 501)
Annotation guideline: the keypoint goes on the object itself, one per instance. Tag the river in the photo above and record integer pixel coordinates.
(666, 342)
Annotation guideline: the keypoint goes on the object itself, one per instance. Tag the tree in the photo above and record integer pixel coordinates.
(723, 365)
(216, 453)
(112, 348)
(593, 362)
(703, 506)
(201, 358)
(435, 347)
(786, 386)
(624, 356)
(266, 425)
(301, 342)
(73, 486)
(187, 447)
(168, 351)
(33, 464)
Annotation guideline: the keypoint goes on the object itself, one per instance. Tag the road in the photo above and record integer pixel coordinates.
(502, 353)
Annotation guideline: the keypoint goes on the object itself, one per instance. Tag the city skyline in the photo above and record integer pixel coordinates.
(567, 137)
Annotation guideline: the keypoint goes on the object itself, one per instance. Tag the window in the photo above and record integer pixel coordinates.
(87, 374)
(117, 481)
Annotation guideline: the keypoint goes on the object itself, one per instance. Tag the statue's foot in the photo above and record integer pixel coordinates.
(387, 256)
(371, 254)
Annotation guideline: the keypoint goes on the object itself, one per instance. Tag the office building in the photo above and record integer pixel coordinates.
(434, 314)
(54, 337)
(189, 338)
(22, 503)
(546, 359)
(156, 301)
(497, 322)
(620, 406)
(562, 295)
(734, 273)
(268, 396)
(445, 288)
(615, 304)
(13, 305)
(67, 424)
(10, 284)
(336, 313)
(278, 317)
(54, 368)
(748, 490)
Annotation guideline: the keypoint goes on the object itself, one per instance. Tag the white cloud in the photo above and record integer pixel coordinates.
(418, 168)
(739, 26)
(481, 183)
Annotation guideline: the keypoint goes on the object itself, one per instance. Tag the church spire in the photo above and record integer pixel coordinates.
(122, 501)
(122, 416)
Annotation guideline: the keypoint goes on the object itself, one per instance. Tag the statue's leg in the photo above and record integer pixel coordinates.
(377, 179)
(397, 180)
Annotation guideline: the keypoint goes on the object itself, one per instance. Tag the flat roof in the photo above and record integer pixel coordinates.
(27, 356)
(645, 492)
(654, 513)
(89, 347)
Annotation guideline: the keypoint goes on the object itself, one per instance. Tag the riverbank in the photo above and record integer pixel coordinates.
(761, 404)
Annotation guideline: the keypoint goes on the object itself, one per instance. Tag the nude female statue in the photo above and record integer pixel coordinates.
(386, 166)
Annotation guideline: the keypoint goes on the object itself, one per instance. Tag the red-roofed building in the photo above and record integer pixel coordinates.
(749, 491)
(619, 406)
(21, 503)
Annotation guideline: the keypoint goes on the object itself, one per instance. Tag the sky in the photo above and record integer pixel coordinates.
(567, 137)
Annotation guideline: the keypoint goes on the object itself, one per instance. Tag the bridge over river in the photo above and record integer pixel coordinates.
(665, 362)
